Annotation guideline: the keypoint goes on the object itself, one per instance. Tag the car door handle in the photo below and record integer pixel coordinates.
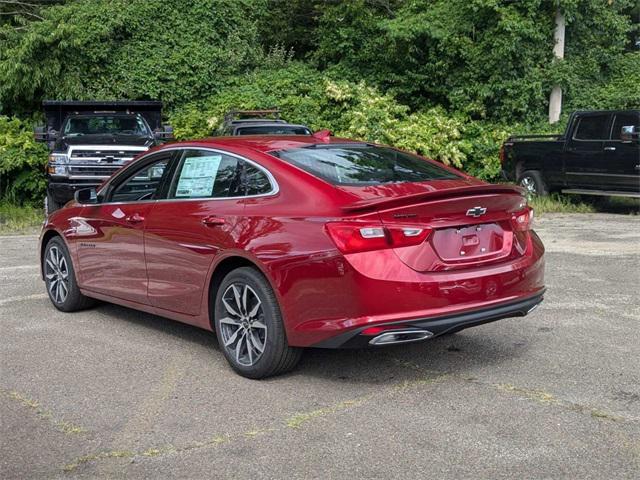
(610, 149)
(135, 218)
(212, 221)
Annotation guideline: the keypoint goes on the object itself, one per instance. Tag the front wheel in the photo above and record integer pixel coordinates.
(533, 183)
(249, 326)
(60, 278)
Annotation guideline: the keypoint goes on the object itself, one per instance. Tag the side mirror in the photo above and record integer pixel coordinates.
(165, 133)
(628, 133)
(86, 196)
(40, 134)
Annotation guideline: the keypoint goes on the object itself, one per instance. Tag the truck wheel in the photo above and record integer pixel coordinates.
(532, 182)
(51, 205)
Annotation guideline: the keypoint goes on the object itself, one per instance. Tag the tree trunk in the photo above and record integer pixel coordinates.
(555, 100)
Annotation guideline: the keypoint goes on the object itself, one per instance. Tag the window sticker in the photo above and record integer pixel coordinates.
(197, 176)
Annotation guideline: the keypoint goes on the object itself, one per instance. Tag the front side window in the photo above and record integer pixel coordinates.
(363, 164)
(624, 120)
(210, 174)
(593, 127)
(144, 184)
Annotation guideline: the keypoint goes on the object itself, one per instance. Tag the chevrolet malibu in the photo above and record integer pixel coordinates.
(280, 243)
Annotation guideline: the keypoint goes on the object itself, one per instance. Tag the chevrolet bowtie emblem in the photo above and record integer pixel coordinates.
(476, 212)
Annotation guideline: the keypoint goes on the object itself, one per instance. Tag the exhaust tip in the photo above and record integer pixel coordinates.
(391, 337)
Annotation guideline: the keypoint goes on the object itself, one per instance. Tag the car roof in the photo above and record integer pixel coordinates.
(264, 143)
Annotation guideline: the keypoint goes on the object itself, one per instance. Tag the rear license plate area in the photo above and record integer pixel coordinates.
(473, 242)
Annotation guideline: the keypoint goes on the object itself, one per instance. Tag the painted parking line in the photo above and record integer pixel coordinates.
(20, 267)
(18, 236)
(23, 298)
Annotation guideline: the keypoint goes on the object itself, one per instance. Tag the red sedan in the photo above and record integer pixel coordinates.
(278, 243)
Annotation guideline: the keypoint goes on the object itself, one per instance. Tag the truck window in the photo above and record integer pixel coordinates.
(623, 120)
(104, 124)
(592, 127)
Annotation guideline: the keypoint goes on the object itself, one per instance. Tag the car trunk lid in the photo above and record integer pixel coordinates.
(470, 225)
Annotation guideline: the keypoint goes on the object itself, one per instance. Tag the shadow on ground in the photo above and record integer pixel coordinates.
(453, 354)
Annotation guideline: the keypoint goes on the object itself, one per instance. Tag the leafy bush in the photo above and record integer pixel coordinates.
(353, 110)
(484, 58)
(110, 49)
(22, 163)
(449, 79)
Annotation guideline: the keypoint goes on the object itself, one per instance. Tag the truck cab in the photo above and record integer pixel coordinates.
(89, 141)
(598, 154)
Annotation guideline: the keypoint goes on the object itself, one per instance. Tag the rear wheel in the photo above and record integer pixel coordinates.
(533, 183)
(60, 278)
(249, 326)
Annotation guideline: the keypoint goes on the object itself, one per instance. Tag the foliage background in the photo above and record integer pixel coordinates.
(449, 79)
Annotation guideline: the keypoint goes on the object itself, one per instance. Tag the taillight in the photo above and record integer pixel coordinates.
(522, 221)
(353, 237)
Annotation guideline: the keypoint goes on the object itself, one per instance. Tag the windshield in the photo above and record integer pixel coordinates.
(105, 124)
(274, 130)
(363, 164)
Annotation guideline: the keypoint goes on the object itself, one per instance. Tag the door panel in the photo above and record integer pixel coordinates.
(110, 235)
(180, 249)
(585, 164)
(111, 251)
(185, 232)
(623, 158)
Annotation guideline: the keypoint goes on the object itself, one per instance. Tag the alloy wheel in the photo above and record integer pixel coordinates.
(57, 275)
(529, 185)
(243, 329)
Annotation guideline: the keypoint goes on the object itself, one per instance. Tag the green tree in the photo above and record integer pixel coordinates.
(167, 49)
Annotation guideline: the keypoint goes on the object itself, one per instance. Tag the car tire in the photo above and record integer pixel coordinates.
(247, 318)
(60, 280)
(51, 204)
(533, 183)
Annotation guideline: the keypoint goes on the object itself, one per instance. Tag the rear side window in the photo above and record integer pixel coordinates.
(624, 120)
(210, 174)
(363, 164)
(593, 127)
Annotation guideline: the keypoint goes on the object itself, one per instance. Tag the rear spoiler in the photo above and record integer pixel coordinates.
(487, 189)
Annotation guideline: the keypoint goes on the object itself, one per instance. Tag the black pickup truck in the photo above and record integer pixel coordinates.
(91, 140)
(598, 154)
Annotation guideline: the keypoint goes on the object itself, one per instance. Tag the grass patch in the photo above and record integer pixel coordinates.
(19, 219)
(560, 204)
(556, 203)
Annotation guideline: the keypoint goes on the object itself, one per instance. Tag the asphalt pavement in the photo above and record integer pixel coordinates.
(114, 393)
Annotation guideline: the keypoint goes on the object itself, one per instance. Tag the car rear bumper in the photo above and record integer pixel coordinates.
(373, 291)
(439, 325)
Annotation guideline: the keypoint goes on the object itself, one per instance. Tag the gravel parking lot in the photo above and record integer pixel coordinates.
(111, 392)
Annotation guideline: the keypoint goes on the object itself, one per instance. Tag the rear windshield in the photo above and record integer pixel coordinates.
(273, 130)
(363, 164)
